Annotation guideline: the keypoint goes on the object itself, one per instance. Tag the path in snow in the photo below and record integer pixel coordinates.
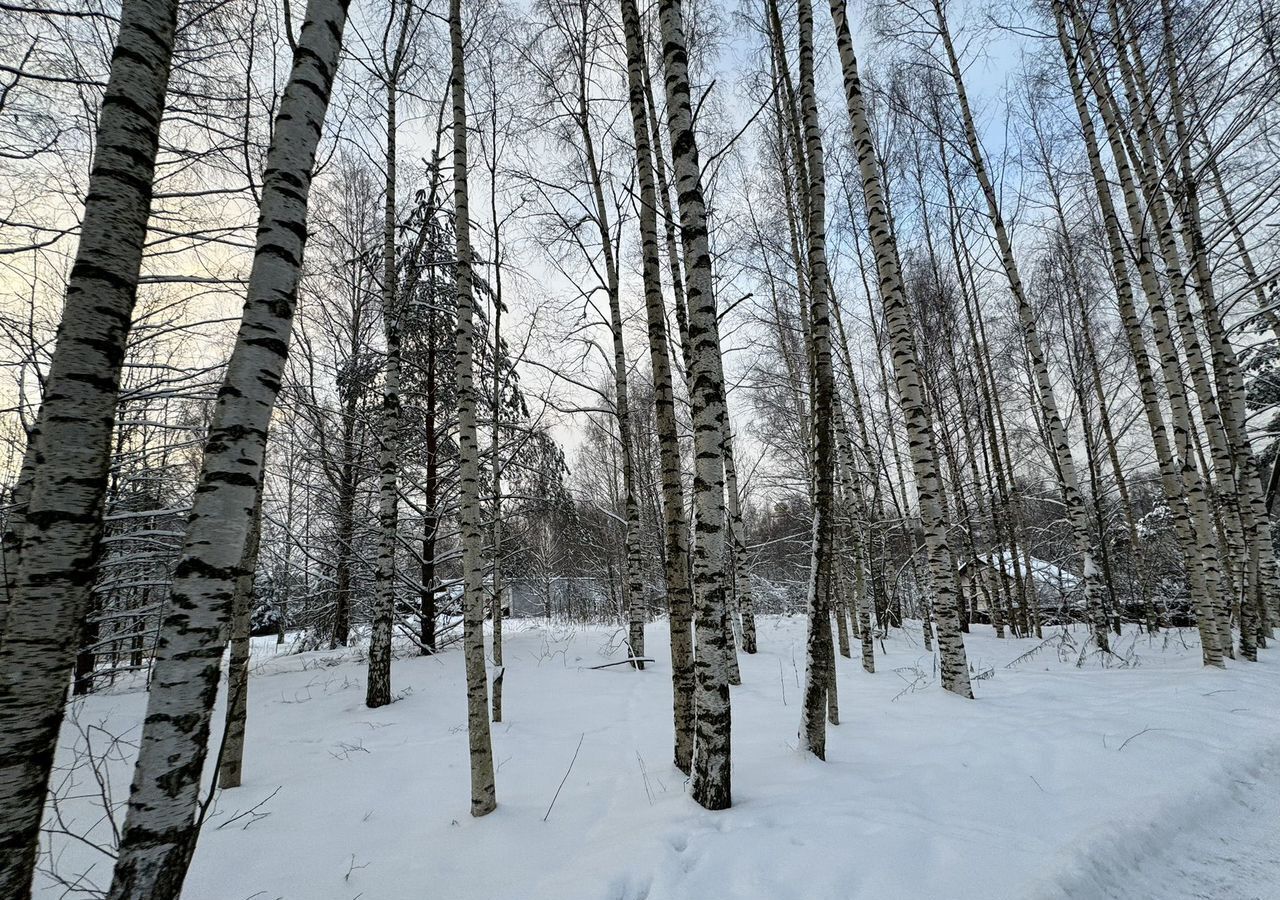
(1228, 851)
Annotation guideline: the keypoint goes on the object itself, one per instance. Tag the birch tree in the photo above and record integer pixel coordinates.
(955, 667)
(483, 793)
(711, 780)
(70, 444)
(161, 825)
(403, 20)
(819, 656)
(231, 751)
(675, 522)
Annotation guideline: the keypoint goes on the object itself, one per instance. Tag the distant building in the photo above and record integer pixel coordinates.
(573, 597)
(1059, 594)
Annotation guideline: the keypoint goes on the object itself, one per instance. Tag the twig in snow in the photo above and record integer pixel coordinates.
(913, 684)
(1139, 734)
(251, 811)
(1084, 650)
(566, 775)
(1055, 638)
(352, 867)
(345, 749)
(644, 774)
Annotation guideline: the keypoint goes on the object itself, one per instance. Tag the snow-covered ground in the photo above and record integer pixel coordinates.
(1156, 780)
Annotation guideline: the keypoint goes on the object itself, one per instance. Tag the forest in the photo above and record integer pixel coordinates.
(614, 450)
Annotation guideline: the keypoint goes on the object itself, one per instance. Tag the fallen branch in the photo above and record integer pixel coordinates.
(623, 662)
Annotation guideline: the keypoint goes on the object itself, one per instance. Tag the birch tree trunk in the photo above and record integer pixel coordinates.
(483, 794)
(911, 522)
(1144, 160)
(633, 594)
(734, 600)
(675, 524)
(231, 753)
(819, 655)
(378, 685)
(745, 606)
(954, 665)
(431, 492)
(711, 780)
(1059, 443)
(1260, 564)
(70, 449)
(675, 260)
(161, 826)
(495, 451)
(1180, 481)
(340, 627)
(495, 463)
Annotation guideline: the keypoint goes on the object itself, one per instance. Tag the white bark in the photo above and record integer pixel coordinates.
(1195, 531)
(1059, 443)
(819, 679)
(161, 827)
(51, 592)
(231, 752)
(676, 526)
(954, 665)
(483, 793)
(378, 684)
(711, 781)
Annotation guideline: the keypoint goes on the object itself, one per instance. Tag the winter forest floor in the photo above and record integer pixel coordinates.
(1158, 779)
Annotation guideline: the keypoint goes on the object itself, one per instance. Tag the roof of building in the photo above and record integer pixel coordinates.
(1045, 573)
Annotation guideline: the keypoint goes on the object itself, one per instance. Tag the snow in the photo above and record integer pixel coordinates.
(1222, 848)
(1155, 779)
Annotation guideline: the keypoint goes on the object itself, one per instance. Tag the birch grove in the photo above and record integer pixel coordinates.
(684, 329)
